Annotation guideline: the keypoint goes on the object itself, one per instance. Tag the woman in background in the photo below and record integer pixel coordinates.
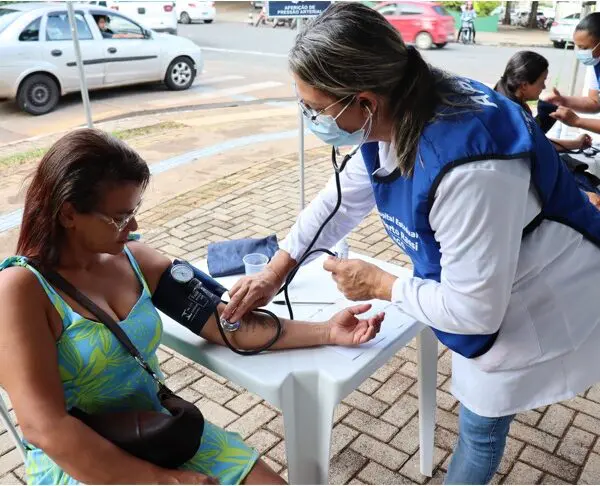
(523, 81)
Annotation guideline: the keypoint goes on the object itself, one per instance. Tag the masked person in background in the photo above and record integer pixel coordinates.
(587, 40)
(505, 247)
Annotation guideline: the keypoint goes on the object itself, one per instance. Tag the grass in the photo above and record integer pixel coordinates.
(144, 131)
(32, 155)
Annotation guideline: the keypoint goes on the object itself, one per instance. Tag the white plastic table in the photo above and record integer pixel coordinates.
(307, 384)
(592, 162)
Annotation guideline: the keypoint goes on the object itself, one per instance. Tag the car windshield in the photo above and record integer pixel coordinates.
(441, 10)
(7, 17)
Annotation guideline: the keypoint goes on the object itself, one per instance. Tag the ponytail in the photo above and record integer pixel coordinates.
(412, 104)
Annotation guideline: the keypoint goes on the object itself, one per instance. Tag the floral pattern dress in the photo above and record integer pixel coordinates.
(99, 375)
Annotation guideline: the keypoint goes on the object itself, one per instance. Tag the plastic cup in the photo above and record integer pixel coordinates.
(255, 263)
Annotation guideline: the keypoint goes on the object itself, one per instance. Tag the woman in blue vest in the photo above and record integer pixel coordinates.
(503, 243)
(587, 40)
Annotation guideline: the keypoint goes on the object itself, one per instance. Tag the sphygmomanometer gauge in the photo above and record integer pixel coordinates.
(182, 273)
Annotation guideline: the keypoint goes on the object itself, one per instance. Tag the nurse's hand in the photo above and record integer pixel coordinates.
(360, 280)
(555, 97)
(251, 292)
(566, 115)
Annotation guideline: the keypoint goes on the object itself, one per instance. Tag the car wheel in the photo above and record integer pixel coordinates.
(423, 41)
(38, 94)
(184, 18)
(558, 44)
(441, 45)
(208, 21)
(180, 74)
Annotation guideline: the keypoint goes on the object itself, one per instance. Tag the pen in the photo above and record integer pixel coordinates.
(282, 302)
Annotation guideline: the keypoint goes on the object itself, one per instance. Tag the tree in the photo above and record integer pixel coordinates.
(532, 22)
(482, 8)
(506, 20)
(455, 6)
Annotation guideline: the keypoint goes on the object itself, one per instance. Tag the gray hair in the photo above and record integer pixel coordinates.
(352, 48)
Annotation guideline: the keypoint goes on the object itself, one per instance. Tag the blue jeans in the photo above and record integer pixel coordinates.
(481, 442)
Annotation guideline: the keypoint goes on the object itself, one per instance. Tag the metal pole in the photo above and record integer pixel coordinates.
(584, 12)
(573, 81)
(301, 146)
(82, 81)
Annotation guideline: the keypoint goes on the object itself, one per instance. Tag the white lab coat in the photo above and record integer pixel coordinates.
(540, 292)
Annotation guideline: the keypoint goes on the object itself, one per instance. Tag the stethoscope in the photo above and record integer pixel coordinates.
(588, 152)
(183, 273)
(225, 327)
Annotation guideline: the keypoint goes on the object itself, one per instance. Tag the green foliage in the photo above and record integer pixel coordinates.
(483, 9)
(456, 6)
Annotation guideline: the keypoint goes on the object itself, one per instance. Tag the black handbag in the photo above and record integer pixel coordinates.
(162, 439)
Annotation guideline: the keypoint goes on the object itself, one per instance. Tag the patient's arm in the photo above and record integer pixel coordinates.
(257, 329)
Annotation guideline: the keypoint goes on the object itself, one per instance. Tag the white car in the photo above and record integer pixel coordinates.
(189, 11)
(37, 56)
(562, 30)
(158, 15)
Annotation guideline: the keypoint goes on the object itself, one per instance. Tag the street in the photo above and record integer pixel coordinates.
(244, 63)
(246, 45)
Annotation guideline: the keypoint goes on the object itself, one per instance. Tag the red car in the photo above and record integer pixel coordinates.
(421, 23)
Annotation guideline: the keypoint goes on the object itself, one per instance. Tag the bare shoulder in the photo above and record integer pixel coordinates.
(19, 282)
(152, 262)
(23, 299)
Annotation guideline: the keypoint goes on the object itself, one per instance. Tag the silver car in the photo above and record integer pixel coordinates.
(562, 30)
(37, 56)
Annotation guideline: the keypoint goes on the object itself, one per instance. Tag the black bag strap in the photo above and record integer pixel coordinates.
(68, 288)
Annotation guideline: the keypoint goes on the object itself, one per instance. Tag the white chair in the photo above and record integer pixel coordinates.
(6, 420)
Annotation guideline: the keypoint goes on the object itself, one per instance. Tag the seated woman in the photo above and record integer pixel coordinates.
(523, 80)
(79, 213)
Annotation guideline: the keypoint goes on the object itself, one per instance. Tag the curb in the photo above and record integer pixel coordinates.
(154, 111)
(513, 44)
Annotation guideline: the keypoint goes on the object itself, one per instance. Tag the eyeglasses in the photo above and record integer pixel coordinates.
(120, 223)
(313, 114)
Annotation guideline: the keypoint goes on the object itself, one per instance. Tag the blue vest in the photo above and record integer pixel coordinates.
(493, 127)
(597, 72)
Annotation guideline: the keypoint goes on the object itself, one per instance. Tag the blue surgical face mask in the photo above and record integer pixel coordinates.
(586, 56)
(326, 128)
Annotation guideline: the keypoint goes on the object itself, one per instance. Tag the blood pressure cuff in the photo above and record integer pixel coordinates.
(544, 110)
(192, 303)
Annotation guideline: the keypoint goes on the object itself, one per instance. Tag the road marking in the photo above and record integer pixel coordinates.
(12, 220)
(222, 93)
(240, 51)
(217, 79)
(188, 157)
(246, 99)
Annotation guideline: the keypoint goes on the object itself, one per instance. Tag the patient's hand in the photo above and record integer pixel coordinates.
(584, 141)
(345, 329)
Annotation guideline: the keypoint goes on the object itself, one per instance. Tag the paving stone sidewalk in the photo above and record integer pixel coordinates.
(375, 435)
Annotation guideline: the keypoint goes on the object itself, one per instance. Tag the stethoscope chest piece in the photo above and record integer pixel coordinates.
(229, 326)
